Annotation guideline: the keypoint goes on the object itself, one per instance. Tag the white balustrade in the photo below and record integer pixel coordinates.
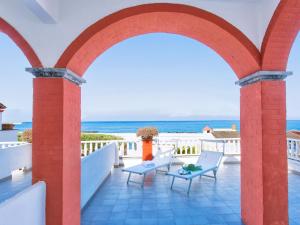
(17, 156)
(185, 146)
(293, 148)
(11, 144)
(127, 148)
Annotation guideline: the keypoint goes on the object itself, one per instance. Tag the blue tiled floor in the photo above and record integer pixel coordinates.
(208, 203)
(10, 187)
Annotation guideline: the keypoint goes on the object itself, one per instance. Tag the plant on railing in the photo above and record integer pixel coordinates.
(26, 136)
(147, 133)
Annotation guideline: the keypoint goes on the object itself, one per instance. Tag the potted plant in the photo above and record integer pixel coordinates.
(8, 126)
(147, 134)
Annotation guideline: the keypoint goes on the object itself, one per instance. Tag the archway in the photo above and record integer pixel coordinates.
(293, 123)
(143, 68)
(17, 96)
(240, 53)
(9, 30)
(280, 35)
(262, 109)
(160, 82)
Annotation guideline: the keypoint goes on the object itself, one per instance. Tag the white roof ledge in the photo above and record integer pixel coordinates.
(46, 10)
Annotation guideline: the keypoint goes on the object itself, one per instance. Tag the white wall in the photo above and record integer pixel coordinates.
(46, 10)
(13, 158)
(94, 169)
(50, 40)
(0, 120)
(8, 135)
(26, 207)
(265, 12)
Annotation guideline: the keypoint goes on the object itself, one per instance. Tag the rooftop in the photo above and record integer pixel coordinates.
(293, 134)
(2, 106)
(226, 134)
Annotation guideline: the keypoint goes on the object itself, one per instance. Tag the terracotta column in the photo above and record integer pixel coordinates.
(264, 187)
(56, 142)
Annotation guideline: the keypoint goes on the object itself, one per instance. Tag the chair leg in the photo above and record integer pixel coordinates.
(188, 192)
(215, 174)
(143, 180)
(128, 179)
(172, 182)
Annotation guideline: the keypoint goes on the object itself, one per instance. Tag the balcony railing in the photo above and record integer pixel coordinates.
(293, 149)
(14, 156)
(185, 146)
(20, 152)
(11, 144)
(126, 147)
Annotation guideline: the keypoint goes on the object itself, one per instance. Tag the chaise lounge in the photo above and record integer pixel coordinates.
(161, 159)
(209, 162)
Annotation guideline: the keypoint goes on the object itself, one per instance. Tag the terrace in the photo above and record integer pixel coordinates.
(115, 202)
(61, 39)
(209, 202)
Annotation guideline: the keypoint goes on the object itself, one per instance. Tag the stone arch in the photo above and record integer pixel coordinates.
(20, 41)
(280, 35)
(229, 42)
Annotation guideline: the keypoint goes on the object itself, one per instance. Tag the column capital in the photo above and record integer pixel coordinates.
(57, 73)
(263, 75)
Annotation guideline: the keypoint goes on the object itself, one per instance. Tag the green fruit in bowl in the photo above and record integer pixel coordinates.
(191, 167)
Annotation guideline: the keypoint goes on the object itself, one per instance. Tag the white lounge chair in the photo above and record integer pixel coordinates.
(209, 162)
(163, 158)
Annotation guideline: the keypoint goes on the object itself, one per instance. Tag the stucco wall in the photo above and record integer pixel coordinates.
(26, 207)
(94, 169)
(8, 135)
(13, 158)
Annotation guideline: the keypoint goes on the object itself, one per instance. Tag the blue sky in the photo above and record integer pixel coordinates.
(149, 77)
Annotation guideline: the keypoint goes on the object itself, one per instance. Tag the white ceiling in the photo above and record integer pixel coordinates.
(50, 40)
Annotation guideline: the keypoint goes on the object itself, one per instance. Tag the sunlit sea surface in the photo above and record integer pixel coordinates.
(163, 126)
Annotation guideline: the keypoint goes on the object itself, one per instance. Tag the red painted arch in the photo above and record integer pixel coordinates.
(215, 32)
(20, 42)
(280, 35)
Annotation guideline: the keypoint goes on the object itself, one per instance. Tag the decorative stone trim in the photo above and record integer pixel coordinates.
(57, 73)
(263, 76)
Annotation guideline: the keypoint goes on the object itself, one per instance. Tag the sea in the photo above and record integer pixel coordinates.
(162, 126)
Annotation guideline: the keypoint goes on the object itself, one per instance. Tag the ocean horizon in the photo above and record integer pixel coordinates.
(193, 126)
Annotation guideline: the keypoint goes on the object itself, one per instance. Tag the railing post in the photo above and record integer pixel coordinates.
(201, 146)
(298, 149)
(85, 153)
(117, 159)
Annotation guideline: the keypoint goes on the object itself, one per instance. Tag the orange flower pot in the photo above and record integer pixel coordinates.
(147, 150)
